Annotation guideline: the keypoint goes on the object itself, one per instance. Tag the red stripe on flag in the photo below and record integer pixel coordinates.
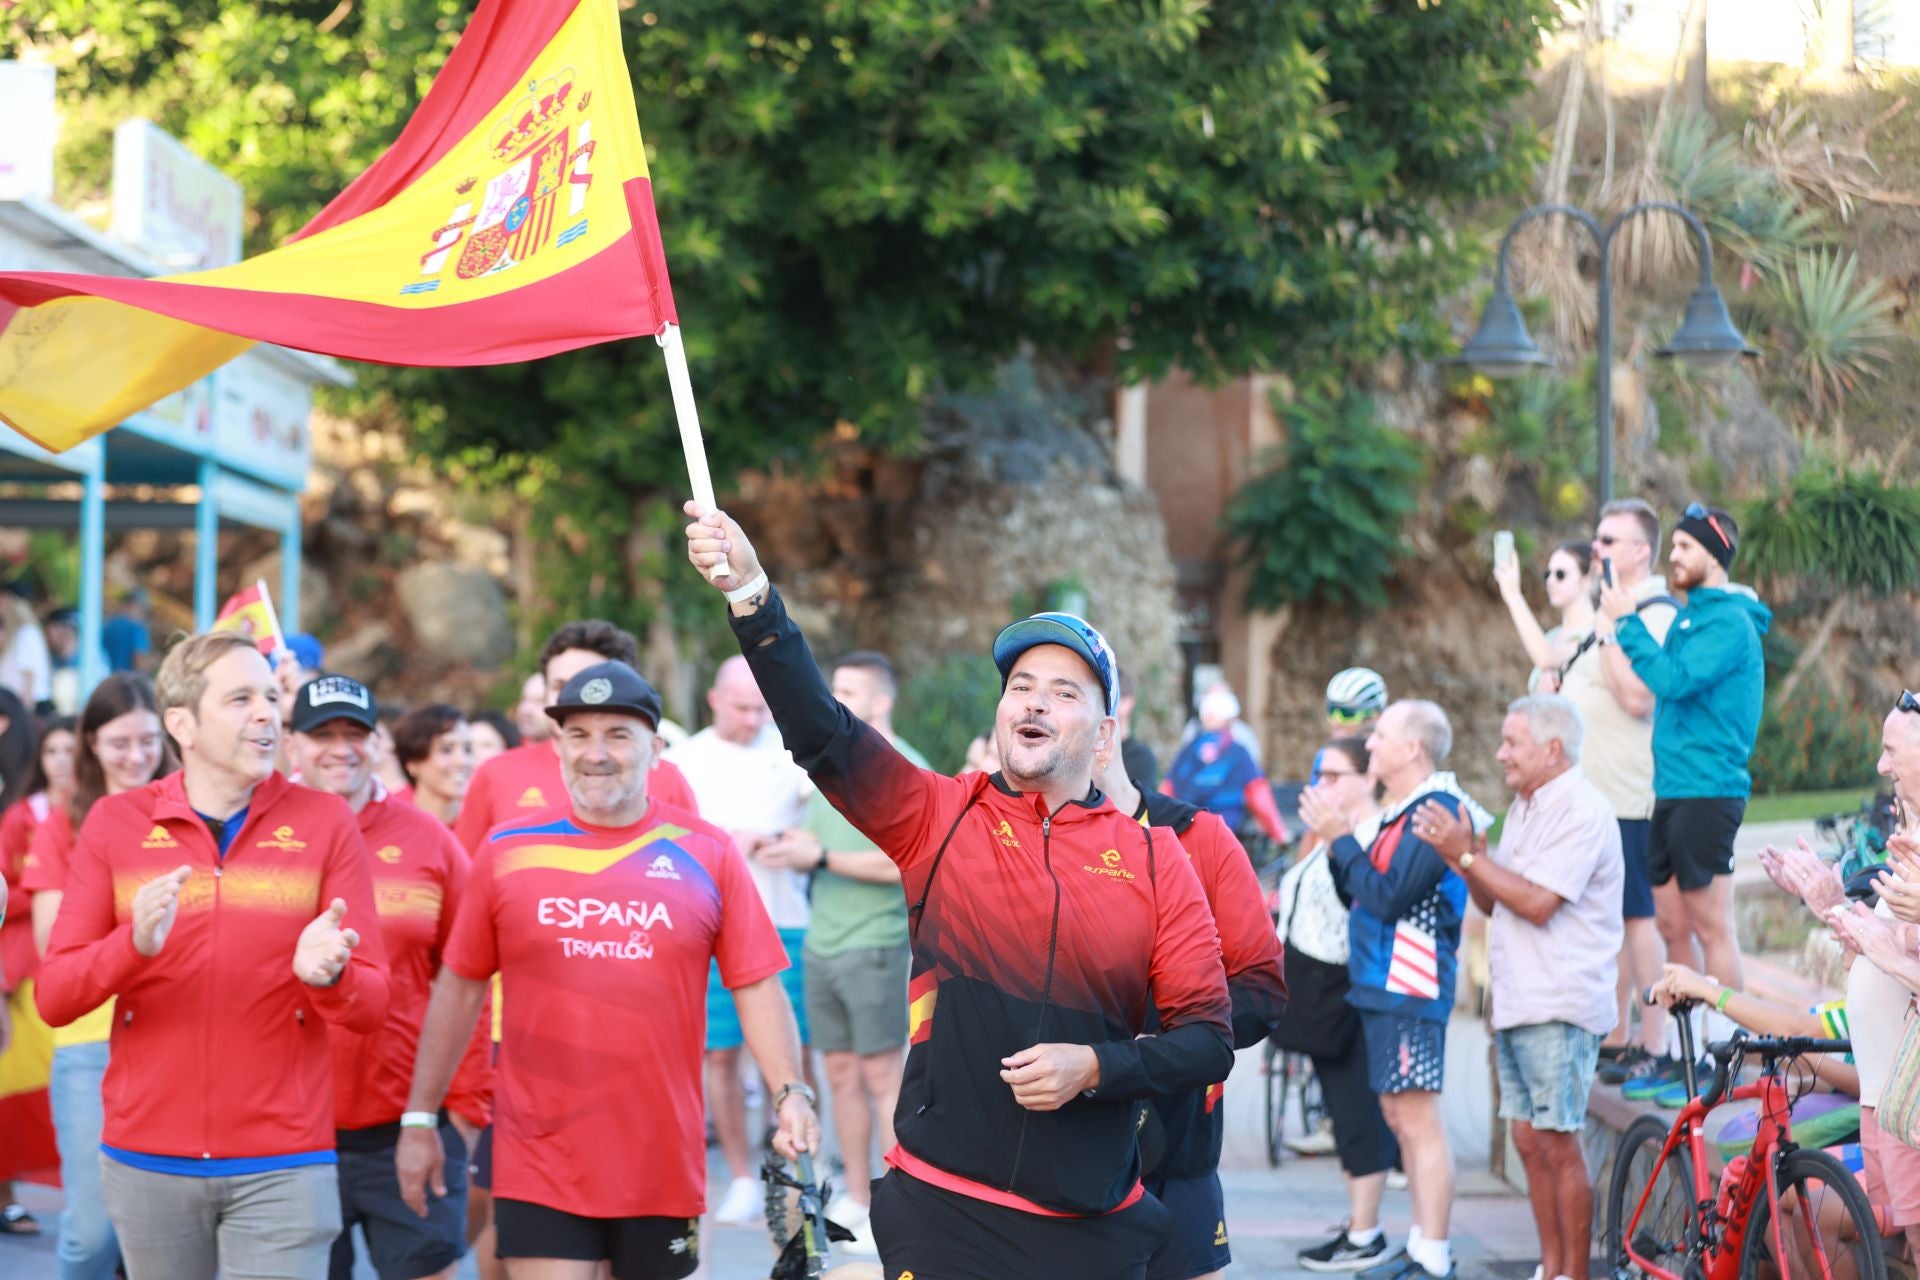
(484, 67)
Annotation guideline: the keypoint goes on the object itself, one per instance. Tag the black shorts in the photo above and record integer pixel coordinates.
(930, 1233)
(638, 1248)
(1197, 1245)
(1691, 841)
(481, 1170)
(400, 1243)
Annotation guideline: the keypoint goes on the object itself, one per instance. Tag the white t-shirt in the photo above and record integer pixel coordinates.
(1618, 756)
(1876, 1018)
(26, 655)
(754, 788)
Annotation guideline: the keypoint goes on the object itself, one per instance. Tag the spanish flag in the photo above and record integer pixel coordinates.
(512, 219)
(250, 612)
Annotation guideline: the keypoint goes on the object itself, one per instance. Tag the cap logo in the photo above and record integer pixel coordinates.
(596, 691)
(328, 690)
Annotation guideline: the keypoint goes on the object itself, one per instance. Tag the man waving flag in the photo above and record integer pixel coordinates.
(512, 219)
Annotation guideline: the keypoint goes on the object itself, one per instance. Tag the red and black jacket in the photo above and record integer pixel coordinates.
(1069, 927)
(1192, 1124)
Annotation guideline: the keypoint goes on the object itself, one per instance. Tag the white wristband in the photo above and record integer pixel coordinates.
(740, 595)
(419, 1120)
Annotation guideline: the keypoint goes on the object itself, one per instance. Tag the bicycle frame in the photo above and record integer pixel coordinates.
(1717, 1223)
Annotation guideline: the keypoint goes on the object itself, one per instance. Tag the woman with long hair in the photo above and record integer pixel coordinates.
(435, 748)
(121, 746)
(1321, 1024)
(1569, 581)
(26, 1053)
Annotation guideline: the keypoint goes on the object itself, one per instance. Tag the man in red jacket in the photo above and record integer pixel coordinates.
(1043, 924)
(212, 904)
(419, 873)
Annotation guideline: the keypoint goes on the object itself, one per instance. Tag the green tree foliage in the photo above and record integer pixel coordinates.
(1848, 530)
(945, 706)
(863, 201)
(1323, 523)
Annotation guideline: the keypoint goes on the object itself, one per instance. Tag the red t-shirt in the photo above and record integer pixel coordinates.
(419, 875)
(520, 783)
(19, 958)
(45, 868)
(602, 939)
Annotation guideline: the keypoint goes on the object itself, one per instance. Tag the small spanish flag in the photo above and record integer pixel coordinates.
(250, 612)
(512, 218)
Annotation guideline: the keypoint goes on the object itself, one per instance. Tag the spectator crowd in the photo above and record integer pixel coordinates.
(443, 943)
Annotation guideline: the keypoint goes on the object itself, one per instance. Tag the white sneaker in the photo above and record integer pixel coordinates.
(863, 1245)
(847, 1211)
(744, 1202)
(1397, 1179)
(1318, 1143)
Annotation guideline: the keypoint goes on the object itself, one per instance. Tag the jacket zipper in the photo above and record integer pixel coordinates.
(213, 974)
(1046, 990)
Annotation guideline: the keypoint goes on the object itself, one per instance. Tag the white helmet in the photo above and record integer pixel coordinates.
(1357, 689)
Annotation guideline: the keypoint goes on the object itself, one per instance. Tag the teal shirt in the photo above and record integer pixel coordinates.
(1708, 681)
(851, 915)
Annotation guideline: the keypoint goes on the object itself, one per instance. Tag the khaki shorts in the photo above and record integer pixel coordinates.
(857, 1000)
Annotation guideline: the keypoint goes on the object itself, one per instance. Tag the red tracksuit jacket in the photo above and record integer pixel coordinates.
(218, 1049)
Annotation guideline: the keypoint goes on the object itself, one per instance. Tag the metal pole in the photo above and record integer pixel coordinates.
(1603, 372)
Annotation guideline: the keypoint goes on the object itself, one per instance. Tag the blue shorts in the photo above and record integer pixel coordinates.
(723, 1020)
(1404, 1054)
(1636, 890)
(1546, 1071)
(1197, 1245)
(400, 1243)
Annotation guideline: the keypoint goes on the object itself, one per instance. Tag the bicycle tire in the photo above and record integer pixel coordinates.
(1848, 1211)
(1312, 1101)
(1667, 1223)
(1273, 1067)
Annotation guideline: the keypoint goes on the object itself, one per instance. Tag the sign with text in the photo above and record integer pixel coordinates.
(26, 144)
(170, 204)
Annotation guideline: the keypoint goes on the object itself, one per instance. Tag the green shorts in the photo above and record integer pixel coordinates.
(857, 1000)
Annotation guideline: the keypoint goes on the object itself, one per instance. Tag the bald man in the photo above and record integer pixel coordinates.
(747, 785)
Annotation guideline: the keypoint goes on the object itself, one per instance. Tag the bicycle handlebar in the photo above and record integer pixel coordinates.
(1726, 1055)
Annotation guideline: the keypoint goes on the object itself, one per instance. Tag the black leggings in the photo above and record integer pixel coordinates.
(1360, 1132)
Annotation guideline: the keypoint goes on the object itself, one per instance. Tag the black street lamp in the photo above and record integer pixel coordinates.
(1502, 347)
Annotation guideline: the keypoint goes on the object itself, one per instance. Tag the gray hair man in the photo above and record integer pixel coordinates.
(1552, 890)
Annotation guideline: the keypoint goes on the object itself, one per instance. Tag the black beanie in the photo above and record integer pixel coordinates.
(1710, 530)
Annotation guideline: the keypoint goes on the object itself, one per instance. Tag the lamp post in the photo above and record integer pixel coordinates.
(1502, 347)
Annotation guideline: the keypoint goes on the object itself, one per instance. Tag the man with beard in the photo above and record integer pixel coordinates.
(1042, 922)
(1708, 682)
(601, 917)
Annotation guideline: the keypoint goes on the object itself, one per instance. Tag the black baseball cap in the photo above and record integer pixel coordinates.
(607, 686)
(332, 698)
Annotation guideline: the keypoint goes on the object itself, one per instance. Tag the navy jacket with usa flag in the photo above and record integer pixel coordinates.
(1405, 906)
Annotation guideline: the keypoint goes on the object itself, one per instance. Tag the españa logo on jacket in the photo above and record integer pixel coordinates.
(1404, 924)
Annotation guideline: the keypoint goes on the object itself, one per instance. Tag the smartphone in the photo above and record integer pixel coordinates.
(1502, 548)
(1606, 570)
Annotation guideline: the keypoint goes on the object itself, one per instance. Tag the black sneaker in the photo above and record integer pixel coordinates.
(1623, 1067)
(1342, 1254)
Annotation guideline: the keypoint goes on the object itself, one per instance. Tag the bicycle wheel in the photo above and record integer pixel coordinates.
(1313, 1104)
(1273, 1069)
(1664, 1225)
(1827, 1228)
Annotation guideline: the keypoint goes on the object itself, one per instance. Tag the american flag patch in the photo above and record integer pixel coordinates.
(1414, 968)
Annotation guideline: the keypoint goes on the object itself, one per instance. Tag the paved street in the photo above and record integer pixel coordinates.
(1271, 1213)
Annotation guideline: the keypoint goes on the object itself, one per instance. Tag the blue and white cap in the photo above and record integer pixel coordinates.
(1064, 629)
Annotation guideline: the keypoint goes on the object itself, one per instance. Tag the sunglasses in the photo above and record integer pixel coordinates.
(1342, 715)
(1698, 511)
(1908, 702)
(1556, 575)
(1608, 540)
(1339, 773)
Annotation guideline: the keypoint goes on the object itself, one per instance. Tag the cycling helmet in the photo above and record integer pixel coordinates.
(1357, 689)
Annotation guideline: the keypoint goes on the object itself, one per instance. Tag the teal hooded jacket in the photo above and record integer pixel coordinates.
(1708, 681)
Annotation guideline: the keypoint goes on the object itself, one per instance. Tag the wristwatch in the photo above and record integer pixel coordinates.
(1466, 860)
(794, 1086)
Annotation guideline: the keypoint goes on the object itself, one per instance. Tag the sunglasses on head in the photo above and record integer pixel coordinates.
(1698, 511)
(1344, 715)
(1908, 702)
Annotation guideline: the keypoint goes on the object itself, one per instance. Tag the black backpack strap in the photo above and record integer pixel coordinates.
(915, 911)
(1650, 601)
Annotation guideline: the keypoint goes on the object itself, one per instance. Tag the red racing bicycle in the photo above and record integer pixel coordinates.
(1782, 1212)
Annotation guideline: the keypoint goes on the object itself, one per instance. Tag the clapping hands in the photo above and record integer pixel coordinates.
(1899, 885)
(1804, 874)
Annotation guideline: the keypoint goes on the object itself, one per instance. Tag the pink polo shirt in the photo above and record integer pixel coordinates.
(1564, 838)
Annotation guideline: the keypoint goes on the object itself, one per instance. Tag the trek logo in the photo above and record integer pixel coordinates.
(662, 869)
(1109, 866)
(1005, 832)
(389, 854)
(282, 840)
(533, 798)
(159, 839)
